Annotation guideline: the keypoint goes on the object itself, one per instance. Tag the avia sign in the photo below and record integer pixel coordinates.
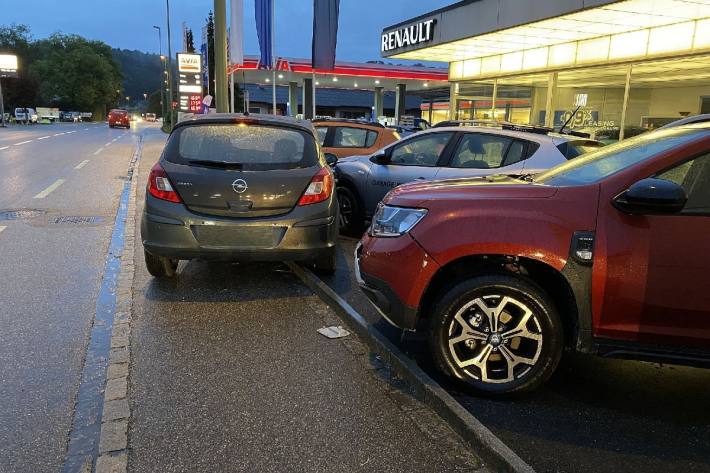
(191, 63)
(418, 33)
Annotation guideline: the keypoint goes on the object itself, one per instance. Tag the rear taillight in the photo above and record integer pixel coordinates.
(320, 188)
(159, 185)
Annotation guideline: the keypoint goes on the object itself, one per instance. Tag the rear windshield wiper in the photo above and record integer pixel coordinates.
(216, 164)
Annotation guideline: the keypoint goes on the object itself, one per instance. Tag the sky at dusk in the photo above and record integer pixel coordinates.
(128, 24)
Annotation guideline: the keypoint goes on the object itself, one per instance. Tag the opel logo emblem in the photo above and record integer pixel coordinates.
(240, 186)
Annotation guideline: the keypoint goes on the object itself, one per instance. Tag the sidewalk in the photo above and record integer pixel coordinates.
(228, 373)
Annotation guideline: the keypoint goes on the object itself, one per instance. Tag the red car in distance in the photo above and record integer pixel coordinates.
(605, 254)
(118, 117)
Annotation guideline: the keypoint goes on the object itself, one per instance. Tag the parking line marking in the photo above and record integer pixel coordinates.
(98, 151)
(4, 147)
(2, 228)
(50, 189)
(23, 142)
(44, 137)
(82, 164)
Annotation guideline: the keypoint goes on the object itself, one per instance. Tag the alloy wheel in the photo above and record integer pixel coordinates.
(495, 339)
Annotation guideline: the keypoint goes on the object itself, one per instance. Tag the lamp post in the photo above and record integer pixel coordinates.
(162, 76)
(170, 66)
(128, 102)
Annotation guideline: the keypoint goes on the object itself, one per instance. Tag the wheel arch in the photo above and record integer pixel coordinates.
(552, 281)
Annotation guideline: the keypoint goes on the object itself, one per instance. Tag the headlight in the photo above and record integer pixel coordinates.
(394, 221)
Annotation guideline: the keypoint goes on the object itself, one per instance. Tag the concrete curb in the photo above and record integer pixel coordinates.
(489, 447)
(113, 440)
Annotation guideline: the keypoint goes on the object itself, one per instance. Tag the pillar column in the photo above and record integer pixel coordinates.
(550, 102)
(379, 102)
(220, 55)
(293, 97)
(308, 99)
(400, 102)
(453, 98)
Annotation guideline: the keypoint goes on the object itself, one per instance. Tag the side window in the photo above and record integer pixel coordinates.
(322, 131)
(421, 151)
(481, 151)
(694, 176)
(371, 138)
(346, 137)
(515, 154)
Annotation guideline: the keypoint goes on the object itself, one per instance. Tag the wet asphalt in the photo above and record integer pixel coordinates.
(49, 277)
(228, 373)
(594, 415)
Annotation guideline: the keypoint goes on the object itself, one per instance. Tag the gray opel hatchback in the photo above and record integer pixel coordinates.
(240, 187)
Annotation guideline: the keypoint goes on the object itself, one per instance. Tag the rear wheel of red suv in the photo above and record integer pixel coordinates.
(497, 333)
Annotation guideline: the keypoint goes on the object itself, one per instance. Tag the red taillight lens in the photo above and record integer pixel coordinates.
(320, 188)
(159, 185)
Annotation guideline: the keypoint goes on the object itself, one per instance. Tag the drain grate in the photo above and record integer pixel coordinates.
(77, 220)
(21, 214)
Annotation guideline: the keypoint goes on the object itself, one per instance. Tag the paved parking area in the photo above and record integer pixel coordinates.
(594, 415)
(228, 373)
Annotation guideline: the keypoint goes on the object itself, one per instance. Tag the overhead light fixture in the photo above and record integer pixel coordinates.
(281, 76)
(355, 84)
(377, 81)
(426, 84)
(335, 79)
(317, 83)
(268, 80)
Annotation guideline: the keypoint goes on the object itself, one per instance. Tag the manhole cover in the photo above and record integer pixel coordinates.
(20, 214)
(76, 220)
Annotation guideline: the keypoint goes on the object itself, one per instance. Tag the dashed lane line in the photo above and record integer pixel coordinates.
(82, 164)
(50, 189)
(23, 143)
(58, 134)
(98, 151)
(107, 144)
(2, 228)
(4, 147)
(44, 137)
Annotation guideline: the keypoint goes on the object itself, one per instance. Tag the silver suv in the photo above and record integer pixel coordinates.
(448, 152)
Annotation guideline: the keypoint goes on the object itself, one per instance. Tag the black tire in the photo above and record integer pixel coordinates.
(160, 266)
(327, 262)
(352, 218)
(501, 376)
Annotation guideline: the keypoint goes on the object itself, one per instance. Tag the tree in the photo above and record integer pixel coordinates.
(190, 40)
(74, 73)
(210, 53)
(154, 105)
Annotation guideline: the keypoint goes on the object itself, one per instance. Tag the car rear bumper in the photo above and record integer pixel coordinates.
(394, 273)
(172, 230)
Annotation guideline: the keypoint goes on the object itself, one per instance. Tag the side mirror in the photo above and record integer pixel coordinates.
(652, 196)
(331, 159)
(380, 158)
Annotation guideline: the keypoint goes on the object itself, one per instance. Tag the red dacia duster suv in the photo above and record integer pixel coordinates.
(606, 254)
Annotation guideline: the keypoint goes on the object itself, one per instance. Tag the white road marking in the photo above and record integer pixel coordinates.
(114, 140)
(98, 151)
(44, 137)
(4, 147)
(58, 134)
(2, 228)
(82, 164)
(85, 129)
(50, 189)
(23, 142)
(108, 144)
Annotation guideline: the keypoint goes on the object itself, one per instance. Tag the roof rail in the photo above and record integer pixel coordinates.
(503, 125)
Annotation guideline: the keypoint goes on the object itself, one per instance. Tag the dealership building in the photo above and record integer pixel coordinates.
(614, 67)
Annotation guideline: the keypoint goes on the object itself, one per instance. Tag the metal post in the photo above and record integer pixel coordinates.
(274, 62)
(494, 98)
(2, 107)
(170, 72)
(273, 91)
(379, 102)
(233, 108)
(624, 107)
(162, 75)
(293, 97)
(400, 102)
(308, 99)
(313, 95)
(220, 55)
(550, 100)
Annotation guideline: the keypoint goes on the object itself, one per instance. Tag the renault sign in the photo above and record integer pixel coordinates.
(418, 33)
(8, 65)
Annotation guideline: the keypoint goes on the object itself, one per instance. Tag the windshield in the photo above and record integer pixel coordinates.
(595, 166)
(256, 147)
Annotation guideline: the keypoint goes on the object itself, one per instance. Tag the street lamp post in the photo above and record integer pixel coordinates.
(162, 76)
(128, 102)
(170, 67)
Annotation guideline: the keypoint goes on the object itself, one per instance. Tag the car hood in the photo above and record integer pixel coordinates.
(470, 188)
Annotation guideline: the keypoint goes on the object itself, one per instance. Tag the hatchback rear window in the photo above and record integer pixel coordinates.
(253, 147)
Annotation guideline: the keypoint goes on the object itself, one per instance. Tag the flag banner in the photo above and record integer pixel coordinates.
(264, 12)
(236, 32)
(325, 33)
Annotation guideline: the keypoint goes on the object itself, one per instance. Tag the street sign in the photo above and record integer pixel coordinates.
(8, 65)
(189, 82)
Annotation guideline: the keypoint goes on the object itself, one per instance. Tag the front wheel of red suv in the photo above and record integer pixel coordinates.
(499, 334)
